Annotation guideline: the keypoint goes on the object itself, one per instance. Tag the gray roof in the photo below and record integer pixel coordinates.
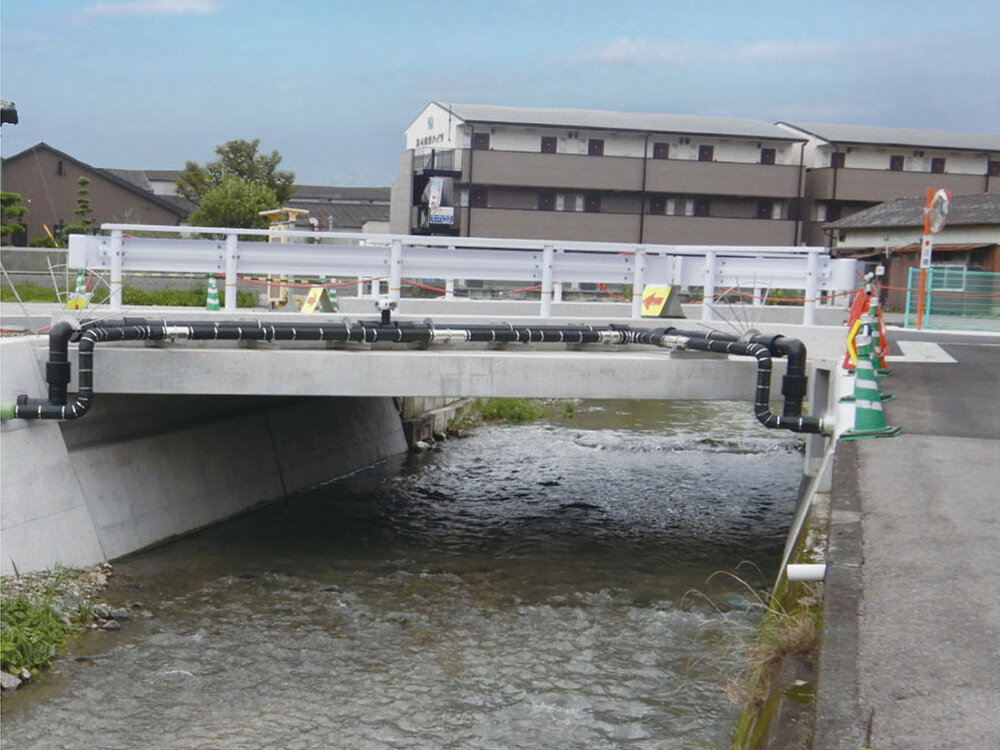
(349, 194)
(642, 122)
(905, 137)
(342, 207)
(965, 210)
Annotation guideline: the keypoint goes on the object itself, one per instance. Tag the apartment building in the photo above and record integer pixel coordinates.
(480, 170)
(854, 167)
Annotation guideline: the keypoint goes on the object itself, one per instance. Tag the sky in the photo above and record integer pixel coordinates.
(331, 85)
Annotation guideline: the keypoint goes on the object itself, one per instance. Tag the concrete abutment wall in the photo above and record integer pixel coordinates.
(140, 469)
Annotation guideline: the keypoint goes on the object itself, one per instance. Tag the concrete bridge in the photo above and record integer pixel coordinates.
(181, 433)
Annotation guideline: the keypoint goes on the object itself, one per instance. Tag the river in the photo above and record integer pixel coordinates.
(538, 586)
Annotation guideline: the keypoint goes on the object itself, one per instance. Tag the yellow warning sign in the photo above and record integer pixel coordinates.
(318, 301)
(78, 300)
(660, 302)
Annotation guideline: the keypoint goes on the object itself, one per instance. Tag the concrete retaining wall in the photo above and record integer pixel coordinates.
(141, 469)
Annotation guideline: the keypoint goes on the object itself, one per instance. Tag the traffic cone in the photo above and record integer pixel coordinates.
(880, 341)
(331, 292)
(212, 299)
(869, 419)
(81, 281)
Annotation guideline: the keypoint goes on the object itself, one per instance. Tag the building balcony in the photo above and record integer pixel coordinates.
(438, 163)
(551, 225)
(555, 171)
(879, 185)
(721, 178)
(706, 230)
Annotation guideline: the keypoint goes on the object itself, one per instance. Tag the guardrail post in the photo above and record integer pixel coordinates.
(557, 291)
(638, 282)
(117, 261)
(395, 270)
(812, 289)
(708, 294)
(548, 258)
(232, 281)
(758, 296)
(449, 288)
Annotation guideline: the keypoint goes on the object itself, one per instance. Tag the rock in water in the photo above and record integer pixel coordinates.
(9, 681)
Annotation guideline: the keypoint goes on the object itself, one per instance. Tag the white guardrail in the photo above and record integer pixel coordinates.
(395, 257)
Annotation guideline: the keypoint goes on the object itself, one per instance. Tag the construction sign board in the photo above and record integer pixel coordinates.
(660, 302)
(78, 300)
(318, 301)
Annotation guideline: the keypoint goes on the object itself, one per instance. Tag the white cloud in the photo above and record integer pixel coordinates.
(658, 52)
(153, 8)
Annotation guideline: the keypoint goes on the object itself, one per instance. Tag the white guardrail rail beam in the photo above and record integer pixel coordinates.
(231, 253)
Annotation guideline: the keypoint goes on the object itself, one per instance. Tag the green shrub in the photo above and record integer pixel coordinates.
(517, 410)
(31, 631)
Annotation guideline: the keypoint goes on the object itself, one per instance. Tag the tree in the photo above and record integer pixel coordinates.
(11, 211)
(83, 224)
(235, 202)
(236, 159)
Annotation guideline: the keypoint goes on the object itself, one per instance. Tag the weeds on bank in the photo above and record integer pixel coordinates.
(39, 611)
(790, 625)
(514, 410)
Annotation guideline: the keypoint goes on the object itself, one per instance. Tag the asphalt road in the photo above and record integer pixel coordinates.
(914, 609)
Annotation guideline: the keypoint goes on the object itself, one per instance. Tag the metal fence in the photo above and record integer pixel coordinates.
(954, 297)
(394, 258)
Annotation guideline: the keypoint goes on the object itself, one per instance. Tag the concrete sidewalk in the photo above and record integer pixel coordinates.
(911, 652)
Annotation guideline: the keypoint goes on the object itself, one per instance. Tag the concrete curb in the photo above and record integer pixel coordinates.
(839, 724)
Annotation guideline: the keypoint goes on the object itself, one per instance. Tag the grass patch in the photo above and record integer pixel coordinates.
(131, 296)
(32, 631)
(512, 410)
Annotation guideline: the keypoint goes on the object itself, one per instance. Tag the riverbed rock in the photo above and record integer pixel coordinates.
(120, 613)
(9, 681)
(111, 625)
(101, 611)
(421, 445)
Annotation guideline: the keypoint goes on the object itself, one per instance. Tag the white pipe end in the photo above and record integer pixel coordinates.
(805, 571)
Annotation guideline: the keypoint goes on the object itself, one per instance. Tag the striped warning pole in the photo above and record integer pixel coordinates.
(869, 419)
(212, 299)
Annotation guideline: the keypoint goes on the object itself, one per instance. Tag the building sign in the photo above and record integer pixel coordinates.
(429, 140)
(442, 215)
(436, 188)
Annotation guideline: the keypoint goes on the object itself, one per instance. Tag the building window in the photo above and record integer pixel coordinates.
(661, 150)
(765, 209)
(657, 204)
(595, 147)
(767, 155)
(548, 144)
(477, 196)
(481, 141)
(706, 153)
(833, 212)
(592, 204)
(837, 159)
(895, 163)
(547, 201)
(702, 206)
(59, 167)
(937, 165)
(994, 169)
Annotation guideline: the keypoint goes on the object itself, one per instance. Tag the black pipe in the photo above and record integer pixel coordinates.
(761, 347)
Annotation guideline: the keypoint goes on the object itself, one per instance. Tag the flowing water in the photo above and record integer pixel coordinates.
(526, 587)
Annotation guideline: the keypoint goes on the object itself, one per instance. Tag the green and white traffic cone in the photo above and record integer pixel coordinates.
(212, 300)
(331, 293)
(81, 282)
(869, 419)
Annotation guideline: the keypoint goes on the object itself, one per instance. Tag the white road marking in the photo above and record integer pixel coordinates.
(921, 351)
